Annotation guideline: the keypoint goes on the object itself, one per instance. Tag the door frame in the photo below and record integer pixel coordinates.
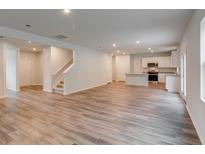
(183, 60)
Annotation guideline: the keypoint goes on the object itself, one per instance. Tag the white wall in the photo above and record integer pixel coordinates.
(47, 70)
(113, 68)
(54, 58)
(191, 46)
(137, 64)
(92, 68)
(30, 68)
(60, 57)
(122, 66)
(2, 71)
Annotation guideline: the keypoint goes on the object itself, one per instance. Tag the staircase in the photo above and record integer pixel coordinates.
(58, 78)
(59, 88)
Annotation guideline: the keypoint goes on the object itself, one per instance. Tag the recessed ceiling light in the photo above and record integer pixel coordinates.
(29, 42)
(138, 42)
(118, 51)
(27, 25)
(114, 45)
(149, 48)
(66, 11)
(123, 53)
(34, 49)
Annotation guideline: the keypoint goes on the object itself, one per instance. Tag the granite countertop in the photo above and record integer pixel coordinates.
(167, 72)
(171, 74)
(137, 74)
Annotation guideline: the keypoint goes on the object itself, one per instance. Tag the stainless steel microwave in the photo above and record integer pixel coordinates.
(152, 64)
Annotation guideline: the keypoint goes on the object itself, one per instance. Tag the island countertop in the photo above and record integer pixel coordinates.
(137, 74)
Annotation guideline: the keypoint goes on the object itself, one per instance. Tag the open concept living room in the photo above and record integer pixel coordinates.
(102, 77)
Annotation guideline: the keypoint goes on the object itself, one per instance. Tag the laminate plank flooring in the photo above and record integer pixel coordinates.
(110, 114)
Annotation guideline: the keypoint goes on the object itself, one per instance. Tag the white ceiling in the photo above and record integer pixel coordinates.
(24, 45)
(159, 29)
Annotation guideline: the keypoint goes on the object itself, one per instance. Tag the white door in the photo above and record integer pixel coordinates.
(11, 55)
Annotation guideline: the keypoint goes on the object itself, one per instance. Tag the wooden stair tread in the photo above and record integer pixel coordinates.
(59, 88)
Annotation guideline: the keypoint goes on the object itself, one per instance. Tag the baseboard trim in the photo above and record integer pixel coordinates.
(75, 91)
(201, 137)
(46, 90)
(183, 96)
(12, 89)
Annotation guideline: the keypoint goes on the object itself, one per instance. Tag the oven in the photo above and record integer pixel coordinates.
(153, 76)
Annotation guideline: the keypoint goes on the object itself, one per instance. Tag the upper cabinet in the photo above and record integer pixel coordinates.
(172, 61)
(163, 62)
(175, 62)
(147, 60)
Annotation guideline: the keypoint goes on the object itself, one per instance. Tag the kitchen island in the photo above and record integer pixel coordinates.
(173, 82)
(137, 79)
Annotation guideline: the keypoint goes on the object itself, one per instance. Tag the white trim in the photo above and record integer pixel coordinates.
(203, 99)
(183, 96)
(48, 90)
(75, 91)
(199, 132)
(2, 97)
(12, 89)
(202, 60)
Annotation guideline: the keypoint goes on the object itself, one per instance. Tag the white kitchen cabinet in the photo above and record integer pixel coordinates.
(164, 62)
(161, 77)
(172, 83)
(146, 60)
(174, 59)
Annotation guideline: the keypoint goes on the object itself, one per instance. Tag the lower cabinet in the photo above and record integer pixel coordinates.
(161, 77)
(173, 83)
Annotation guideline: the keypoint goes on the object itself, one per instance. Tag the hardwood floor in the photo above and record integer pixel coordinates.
(111, 114)
(157, 86)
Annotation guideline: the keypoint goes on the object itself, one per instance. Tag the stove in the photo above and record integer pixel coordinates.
(153, 75)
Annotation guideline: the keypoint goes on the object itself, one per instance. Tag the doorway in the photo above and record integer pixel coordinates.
(30, 68)
(11, 61)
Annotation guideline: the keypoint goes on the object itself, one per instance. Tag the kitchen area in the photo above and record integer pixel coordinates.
(154, 70)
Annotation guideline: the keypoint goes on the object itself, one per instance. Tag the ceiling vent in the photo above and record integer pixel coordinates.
(60, 37)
